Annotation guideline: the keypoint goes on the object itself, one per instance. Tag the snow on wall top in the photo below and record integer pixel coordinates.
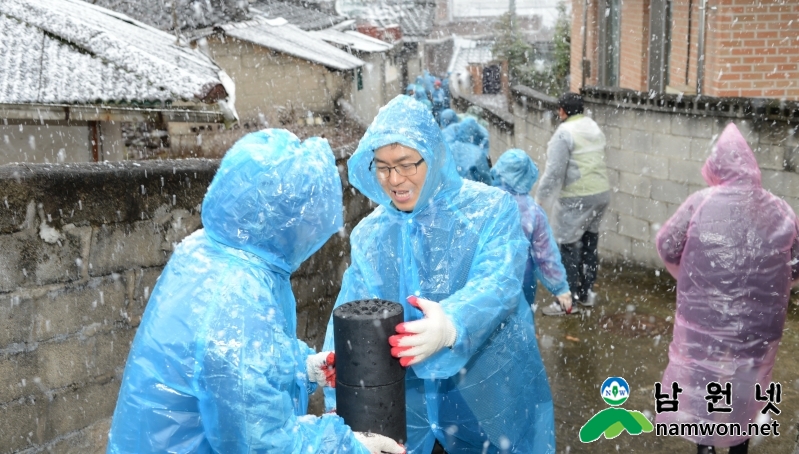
(69, 51)
(279, 35)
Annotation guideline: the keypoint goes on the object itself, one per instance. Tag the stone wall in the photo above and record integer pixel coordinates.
(655, 150)
(81, 248)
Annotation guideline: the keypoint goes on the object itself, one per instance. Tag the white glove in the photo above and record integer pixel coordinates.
(377, 444)
(321, 368)
(565, 300)
(420, 339)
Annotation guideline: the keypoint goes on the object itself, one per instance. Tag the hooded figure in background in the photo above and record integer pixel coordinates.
(734, 250)
(452, 252)
(447, 117)
(420, 94)
(215, 365)
(468, 142)
(516, 173)
(468, 131)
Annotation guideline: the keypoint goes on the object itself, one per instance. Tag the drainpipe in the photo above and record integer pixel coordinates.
(700, 44)
(583, 62)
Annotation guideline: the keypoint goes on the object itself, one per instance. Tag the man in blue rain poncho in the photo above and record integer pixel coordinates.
(215, 365)
(452, 252)
(516, 173)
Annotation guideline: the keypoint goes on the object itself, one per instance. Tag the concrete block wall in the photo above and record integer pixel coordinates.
(81, 248)
(654, 162)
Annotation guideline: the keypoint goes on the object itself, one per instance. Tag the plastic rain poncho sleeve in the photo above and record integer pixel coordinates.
(733, 249)
(215, 365)
(516, 173)
(462, 246)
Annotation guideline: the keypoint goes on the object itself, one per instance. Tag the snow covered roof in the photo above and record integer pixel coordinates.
(415, 17)
(69, 51)
(278, 34)
(302, 17)
(353, 40)
(189, 14)
(468, 51)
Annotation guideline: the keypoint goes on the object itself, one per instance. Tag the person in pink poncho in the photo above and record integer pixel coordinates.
(734, 250)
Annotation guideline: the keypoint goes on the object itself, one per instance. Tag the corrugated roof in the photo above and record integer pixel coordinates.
(190, 14)
(353, 40)
(69, 51)
(304, 18)
(287, 38)
(415, 18)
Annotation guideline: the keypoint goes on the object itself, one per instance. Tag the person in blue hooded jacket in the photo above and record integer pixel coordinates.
(447, 117)
(468, 142)
(452, 252)
(516, 173)
(215, 365)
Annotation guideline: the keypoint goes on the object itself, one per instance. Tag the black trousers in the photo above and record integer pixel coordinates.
(742, 448)
(438, 449)
(581, 261)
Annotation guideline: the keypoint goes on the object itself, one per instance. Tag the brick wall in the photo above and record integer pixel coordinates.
(682, 60)
(575, 65)
(70, 305)
(753, 49)
(633, 58)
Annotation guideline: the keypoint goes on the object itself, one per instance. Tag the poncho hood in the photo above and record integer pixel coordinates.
(515, 171)
(275, 197)
(731, 161)
(410, 123)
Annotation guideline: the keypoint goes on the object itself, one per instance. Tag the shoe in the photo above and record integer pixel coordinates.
(555, 309)
(590, 300)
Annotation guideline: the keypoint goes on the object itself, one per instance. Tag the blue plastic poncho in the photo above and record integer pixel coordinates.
(410, 89)
(516, 173)
(420, 94)
(468, 130)
(468, 142)
(462, 246)
(447, 117)
(215, 365)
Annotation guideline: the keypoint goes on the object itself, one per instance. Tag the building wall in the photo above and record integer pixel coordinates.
(270, 84)
(633, 58)
(575, 65)
(753, 49)
(50, 142)
(381, 83)
(72, 296)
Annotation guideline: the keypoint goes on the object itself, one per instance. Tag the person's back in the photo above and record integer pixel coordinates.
(516, 173)
(733, 249)
(215, 365)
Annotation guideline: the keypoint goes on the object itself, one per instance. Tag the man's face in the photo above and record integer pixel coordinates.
(399, 176)
(562, 113)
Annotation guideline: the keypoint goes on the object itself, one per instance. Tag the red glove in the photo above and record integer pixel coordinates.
(420, 339)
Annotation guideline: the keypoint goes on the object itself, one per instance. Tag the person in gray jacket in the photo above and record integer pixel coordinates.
(576, 191)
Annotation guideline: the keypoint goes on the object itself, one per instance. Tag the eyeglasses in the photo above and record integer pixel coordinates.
(405, 170)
